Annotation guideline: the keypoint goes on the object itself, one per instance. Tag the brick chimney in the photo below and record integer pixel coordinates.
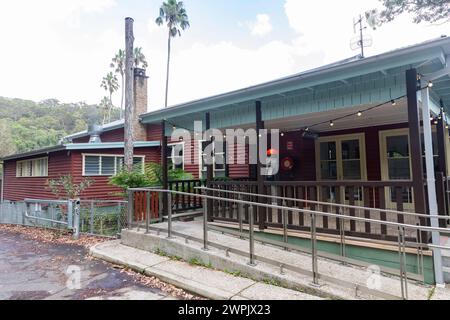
(140, 98)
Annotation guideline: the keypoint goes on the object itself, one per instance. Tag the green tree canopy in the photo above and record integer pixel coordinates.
(423, 10)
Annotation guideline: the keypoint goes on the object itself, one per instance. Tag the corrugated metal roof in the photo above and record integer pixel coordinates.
(81, 146)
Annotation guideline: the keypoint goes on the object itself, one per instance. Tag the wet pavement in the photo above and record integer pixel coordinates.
(30, 269)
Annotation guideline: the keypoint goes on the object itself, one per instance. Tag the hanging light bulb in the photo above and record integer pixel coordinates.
(331, 123)
(306, 129)
(359, 114)
(430, 84)
(394, 103)
(436, 121)
(282, 134)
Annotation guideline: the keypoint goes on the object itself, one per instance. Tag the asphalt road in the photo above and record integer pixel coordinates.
(30, 269)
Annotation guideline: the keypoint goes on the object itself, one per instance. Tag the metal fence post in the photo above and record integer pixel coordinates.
(147, 213)
(169, 211)
(205, 224)
(251, 236)
(119, 218)
(69, 213)
(130, 209)
(314, 250)
(284, 219)
(76, 220)
(240, 217)
(402, 260)
(91, 218)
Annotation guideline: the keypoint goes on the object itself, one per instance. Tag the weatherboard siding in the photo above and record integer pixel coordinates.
(101, 189)
(17, 189)
(65, 163)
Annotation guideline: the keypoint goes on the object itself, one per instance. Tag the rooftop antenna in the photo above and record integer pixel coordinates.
(364, 41)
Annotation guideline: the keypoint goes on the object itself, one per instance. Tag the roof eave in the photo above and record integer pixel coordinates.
(405, 56)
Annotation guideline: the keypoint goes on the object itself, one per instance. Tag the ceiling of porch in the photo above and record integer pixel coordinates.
(320, 122)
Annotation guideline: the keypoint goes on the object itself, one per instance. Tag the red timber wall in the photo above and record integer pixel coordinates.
(65, 163)
(17, 189)
(101, 189)
(304, 156)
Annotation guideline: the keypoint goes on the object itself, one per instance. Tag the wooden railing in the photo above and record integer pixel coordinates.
(182, 203)
(365, 195)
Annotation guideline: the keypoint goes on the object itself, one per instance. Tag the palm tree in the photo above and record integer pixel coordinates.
(104, 107)
(173, 13)
(110, 84)
(139, 58)
(118, 64)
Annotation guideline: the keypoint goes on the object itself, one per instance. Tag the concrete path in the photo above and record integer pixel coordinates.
(200, 280)
(33, 270)
(336, 280)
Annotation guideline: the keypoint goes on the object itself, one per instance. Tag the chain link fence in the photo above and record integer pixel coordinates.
(103, 218)
(97, 217)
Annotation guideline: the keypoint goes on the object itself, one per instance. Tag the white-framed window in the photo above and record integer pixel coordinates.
(396, 161)
(107, 165)
(175, 155)
(219, 159)
(32, 168)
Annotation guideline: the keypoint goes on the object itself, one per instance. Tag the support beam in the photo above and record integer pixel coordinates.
(442, 136)
(209, 170)
(415, 141)
(262, 212)
(165, 169)
(431, 185)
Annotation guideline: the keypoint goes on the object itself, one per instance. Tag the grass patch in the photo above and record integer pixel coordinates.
(431, 293)
(199, 263)
(162, 253)
(234, 273)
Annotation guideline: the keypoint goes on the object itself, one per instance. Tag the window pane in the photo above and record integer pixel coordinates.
(91, 165)
(137, 163)
(350, 150)
(351, 169)
(328, 170)
(119, 164)
(406, 194)
(397, 147)
(328, 151)
(108, 166)
(399, 169)
(357, 194)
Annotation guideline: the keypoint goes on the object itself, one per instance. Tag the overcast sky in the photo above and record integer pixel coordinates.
(62, 49)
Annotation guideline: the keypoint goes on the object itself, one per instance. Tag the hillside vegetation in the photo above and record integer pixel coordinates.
(27, 125)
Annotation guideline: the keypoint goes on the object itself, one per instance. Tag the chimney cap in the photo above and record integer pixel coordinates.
(139, 72)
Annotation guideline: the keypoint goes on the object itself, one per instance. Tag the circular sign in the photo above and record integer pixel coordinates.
(287, 164)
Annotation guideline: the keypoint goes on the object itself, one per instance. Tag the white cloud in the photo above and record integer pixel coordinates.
(262, 26)
(328, 26)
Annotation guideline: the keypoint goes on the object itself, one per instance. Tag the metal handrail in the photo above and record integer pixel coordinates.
(313, 214)
(322, 213)
(331, 204)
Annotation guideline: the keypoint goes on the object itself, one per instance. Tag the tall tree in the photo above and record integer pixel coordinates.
(423, 10)
(111, 85)
(104, 108)
(118, 64)
(175, 16)
(139, 58)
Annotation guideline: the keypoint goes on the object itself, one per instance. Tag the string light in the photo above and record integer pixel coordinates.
(430, 84)
(393, 102)
(331, 123)
(282, 134)
(359, 114)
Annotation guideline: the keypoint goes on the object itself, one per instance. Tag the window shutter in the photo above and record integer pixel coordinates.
(92, 165)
